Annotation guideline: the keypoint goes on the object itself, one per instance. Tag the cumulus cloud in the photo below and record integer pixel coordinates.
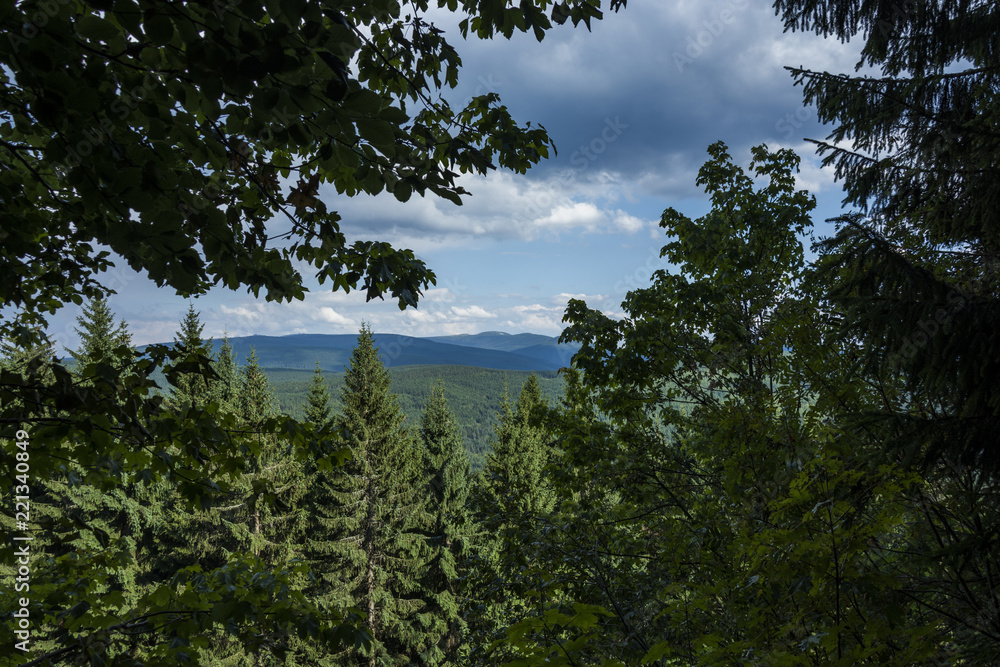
(472, 312)
(327, 314)
(438, 295)
(502, 206)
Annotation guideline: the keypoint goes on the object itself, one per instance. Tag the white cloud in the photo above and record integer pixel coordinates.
(327, 314)
(472, 312)
(438, 295)
(502, 206)
(561, 300)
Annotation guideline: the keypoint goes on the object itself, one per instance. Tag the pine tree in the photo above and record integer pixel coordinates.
(263, 515)
(516, 467)
(318, 400)
(120, 514)
(446, 466)
(913, 275)
(194, 388)
(187, 536)
(364, 540)
(267, 531)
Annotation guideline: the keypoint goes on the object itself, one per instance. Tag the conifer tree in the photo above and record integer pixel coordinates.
(512, 496)
(187, 536)
(515, 471)
(364, 538)
(446, 467)
(318, 409)
(272, 473)
(119, 515)
(226, 389)
(193, 388)
(916, 272)
(99, 337)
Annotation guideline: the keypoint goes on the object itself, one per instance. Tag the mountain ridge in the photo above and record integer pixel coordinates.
(493, 349)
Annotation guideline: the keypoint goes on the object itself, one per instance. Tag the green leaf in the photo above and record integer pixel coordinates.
(95, 27)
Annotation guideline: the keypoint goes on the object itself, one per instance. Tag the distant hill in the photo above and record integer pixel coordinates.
(496, 350)
(474, 395)
(545, 349)
(495, 340)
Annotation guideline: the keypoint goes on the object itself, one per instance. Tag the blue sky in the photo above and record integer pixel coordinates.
(632, 107)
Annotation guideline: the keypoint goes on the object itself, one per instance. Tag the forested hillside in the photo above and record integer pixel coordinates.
(473, 394)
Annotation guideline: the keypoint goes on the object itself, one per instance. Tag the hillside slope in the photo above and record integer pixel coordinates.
(474, 395)
(529, 352)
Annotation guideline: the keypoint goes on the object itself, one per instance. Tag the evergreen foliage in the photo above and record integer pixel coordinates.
(446, 467)
(366, 537)
(318, 410)
(510, 504)
(195, 388)
(226, 388)
(99, 339)
(473, 394)
(201, 111)
(267, 519)
(915, 271)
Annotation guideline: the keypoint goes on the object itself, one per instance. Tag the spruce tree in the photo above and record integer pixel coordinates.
(318, 400)
(200, 536)
(272, 473)
(226, 389)
(364, 539)
(193, 388)
(119, 514)
(915, 271)
(913, 276)
(515, 471)
(99, 338)
(512, 497)
(446, 467)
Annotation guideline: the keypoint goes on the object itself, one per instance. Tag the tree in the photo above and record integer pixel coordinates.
(318, 410)
(186, 123)
(716, 503)
(916, 269)
(914, 273)
(365, 541)
(172, 135)
(265, 528)
(194, 389)
(510, 503)
(99, 337)
(226, 389)
(446, 467)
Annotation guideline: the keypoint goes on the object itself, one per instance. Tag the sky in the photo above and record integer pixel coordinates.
(632, 107)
